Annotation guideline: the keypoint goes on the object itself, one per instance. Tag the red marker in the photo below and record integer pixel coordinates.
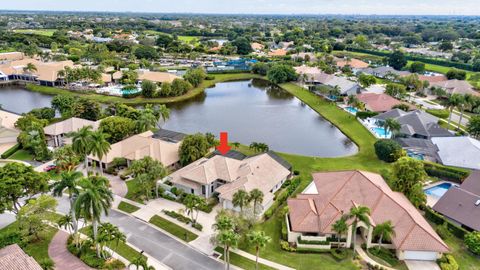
(223, 148)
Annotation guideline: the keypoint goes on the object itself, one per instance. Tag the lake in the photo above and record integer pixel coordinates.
(19, 100)
(254, 111)
(250, 111)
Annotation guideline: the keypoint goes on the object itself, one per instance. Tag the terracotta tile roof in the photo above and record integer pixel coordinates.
(257, 46)
(279, 52)
(354, 63)
(338, 192)
(378, 102)
(456, 87)
(14, 258)
(11, 56)
(432, 79)
(159, 77)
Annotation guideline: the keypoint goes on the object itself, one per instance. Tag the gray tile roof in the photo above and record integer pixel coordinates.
(459, 203)
(450, 154)
(169, 135)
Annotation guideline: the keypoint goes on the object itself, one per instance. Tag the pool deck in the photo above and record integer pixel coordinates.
(432, 200)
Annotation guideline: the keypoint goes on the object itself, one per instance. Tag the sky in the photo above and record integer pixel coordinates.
(368, 7)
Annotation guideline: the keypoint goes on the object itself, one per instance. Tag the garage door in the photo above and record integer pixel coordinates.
(420, 255)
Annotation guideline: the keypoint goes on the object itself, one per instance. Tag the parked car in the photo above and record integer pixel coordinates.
(50, 168)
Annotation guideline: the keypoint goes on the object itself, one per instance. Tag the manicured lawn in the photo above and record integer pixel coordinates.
(188, 39)
(133, 189)
(173, 228)
(21, 154)
(126, 207)
(243, 262)
(41, 32)
(38, 250)
(140, 100)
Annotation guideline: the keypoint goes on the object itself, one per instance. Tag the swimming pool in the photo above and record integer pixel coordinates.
(415, 155)
(380, 133)
(351, 110)
(439, 190)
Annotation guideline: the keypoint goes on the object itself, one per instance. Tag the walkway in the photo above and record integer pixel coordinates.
(369, 260)
(58, 252)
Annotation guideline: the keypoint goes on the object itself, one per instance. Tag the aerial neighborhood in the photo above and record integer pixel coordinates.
(211, 141)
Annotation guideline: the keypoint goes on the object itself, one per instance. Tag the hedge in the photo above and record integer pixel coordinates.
(447, 173)
(365, 115)
(444, 114)
(282, 197)
(443, 63)
(312, 242)
(10, 151)
(436, 218)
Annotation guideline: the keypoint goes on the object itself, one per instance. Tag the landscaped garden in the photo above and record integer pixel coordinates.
(173, 229)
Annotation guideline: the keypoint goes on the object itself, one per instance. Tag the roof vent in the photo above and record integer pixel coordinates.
(477, 203)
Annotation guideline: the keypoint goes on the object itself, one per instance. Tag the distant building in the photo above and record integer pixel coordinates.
(456, 87)
(383, 72)
(158, 77)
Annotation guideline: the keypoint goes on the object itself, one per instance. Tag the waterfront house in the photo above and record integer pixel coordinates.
(224, 176)
(157, 77)
(378, 102)
(331, 195)
(46, 73)
(163, 146)
(415, 124)
(461, 204)
(11, 56)
(56, 134)
(312, 76)
(456, 87)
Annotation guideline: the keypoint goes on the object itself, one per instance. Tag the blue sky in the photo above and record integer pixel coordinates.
(395, 7)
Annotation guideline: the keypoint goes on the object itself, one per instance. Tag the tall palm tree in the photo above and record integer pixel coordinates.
(259, 240)
(384, 231)
(93, 200)
(391, 125)
(236, 145)
(146, 120)
(359, 214)
(69, 182)
(229, 239)
(109, 234)
(81, 142)
(100, 146)
(30, 68)
(241, 199)
(465, 101)
(256, 196)
(162, 112)
(140, 262)
(223, 223)
(340, 227)
(66, 222)
(452, 102)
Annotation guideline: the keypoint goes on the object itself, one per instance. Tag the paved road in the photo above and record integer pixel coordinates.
(162, 247)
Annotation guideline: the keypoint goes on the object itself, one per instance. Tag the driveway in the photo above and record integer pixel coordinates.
(422, 265)
(157, 244)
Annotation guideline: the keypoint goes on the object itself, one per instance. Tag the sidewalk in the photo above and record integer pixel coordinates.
(369, 260)
(58, 252)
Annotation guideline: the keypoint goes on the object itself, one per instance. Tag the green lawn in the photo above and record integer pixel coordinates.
(41, 32)
(133, 189)
(189, 39)
(22, 155)
(173, 228)
(243, 262)
(140, 100)
(38, 250)
(128, 208)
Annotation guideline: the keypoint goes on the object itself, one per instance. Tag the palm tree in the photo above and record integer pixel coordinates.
(254, 146)
(229, 239)
(256, 196)
(259, 240)
(30, 68)
(340, 227)
(241, 199)
(110, 234)
(69, 181)
(384, 231)
(452, 102)
(146, 120)
(66, 222)
(100, 146)
(236, 145)
(391, 125)
(359, 214)
(465, 101)
(94, 199)
(163, 112)
(81, 142)
(223, 223)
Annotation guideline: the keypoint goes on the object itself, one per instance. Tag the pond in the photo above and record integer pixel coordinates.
(255, 111)
(19, 100)
(250, 111)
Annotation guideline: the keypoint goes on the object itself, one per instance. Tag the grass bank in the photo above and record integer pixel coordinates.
(128, 208)
(140, 100)
(243, 262)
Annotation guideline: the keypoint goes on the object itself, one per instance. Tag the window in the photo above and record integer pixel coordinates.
(192, 191)
(204, 190)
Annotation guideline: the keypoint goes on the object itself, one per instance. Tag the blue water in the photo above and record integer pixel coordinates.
(439, 190)
(352, 110)
(381, 132)
(415, 155)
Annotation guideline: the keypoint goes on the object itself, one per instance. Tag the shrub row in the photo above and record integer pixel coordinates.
(183, 219)
(444, 114)
(283, 196)
(312, 242)
(10, 151)
(446, 173)
(426, 60)
(365, 115)
(436, 218)
(448, 262)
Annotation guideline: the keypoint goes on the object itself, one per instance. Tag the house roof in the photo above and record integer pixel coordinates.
(257, 46)
(416, 123)
(456, 87)
(12, 257)
(378, 102)
(8, 119)
(432, 79)
(11, 56)
(159, 77)
(354, 63)
(309, 71)
(423, 146)
(338, 192)
(169, 135)
(141, 145)
(384, 70)
(262, 171)
(459, 203)
(278, 52)
(69, 125)
(46, 71)
(448, 151)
